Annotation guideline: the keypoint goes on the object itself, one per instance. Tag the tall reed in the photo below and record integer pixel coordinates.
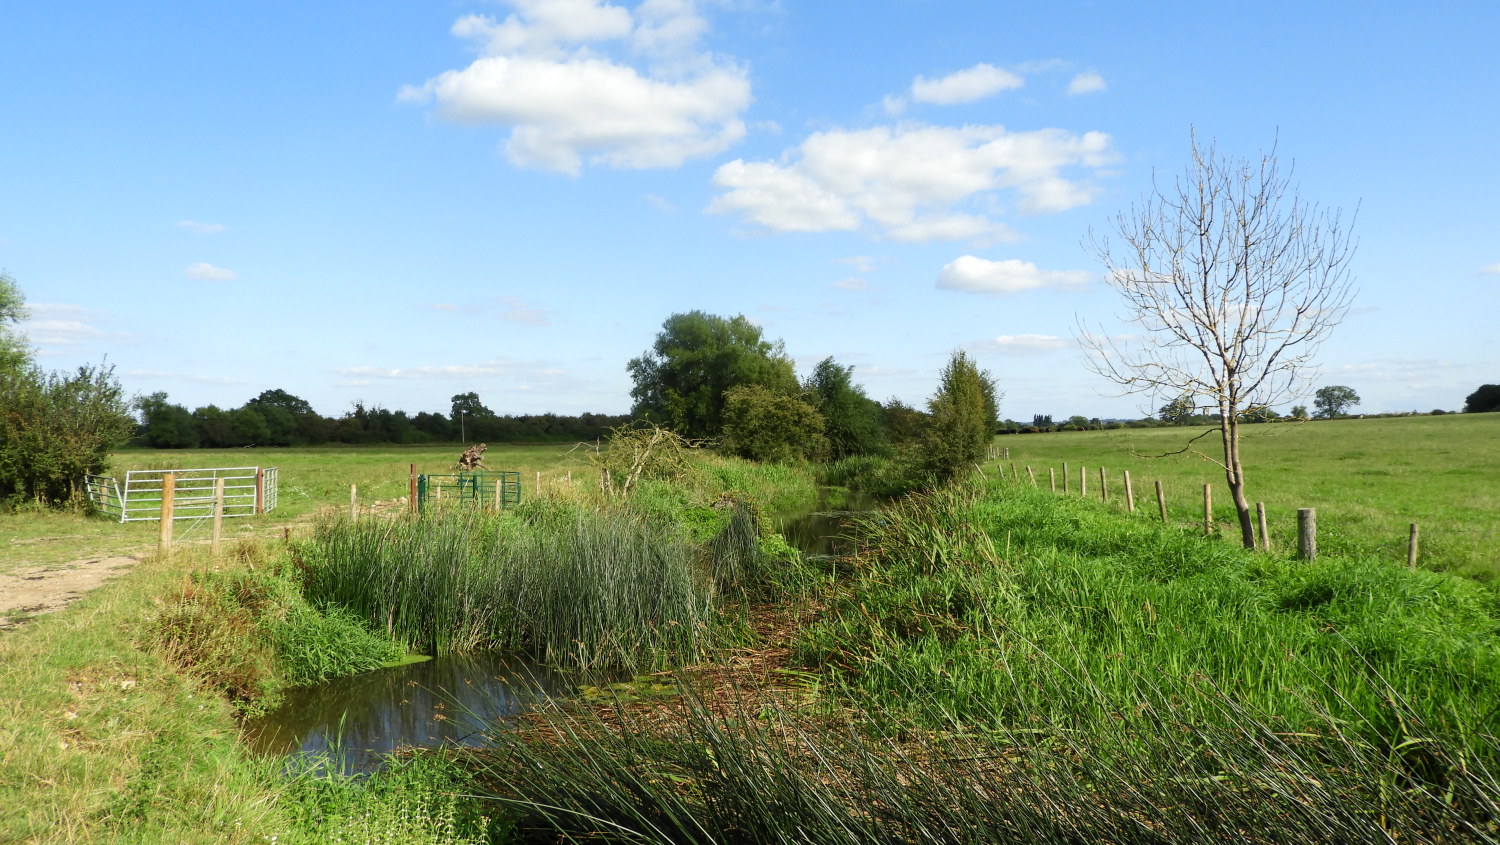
(581, 587)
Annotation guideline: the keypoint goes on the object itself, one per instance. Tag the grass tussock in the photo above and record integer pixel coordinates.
(566, 585)
(243, 628)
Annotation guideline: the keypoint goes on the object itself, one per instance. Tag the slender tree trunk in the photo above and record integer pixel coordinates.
(1235, 475)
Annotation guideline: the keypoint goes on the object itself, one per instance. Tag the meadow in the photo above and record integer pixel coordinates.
(996, 663)
(1369, 480)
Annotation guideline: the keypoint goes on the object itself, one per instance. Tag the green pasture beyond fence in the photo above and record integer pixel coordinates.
(1121, 490)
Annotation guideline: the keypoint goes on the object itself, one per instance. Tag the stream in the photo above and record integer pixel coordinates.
(351, 724)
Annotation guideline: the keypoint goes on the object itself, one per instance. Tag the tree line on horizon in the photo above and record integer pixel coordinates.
(278, 418)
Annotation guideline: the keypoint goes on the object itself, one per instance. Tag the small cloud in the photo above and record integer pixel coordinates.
(1492, 270)
(496, 367)
(860, 263)
(188, 377)
(965, 86)
(202, 228)
(851, 283)
(526, 315)
(209, 273)
(1025, 344)
(53, 327)
(1087, 83)
(660, 203)
(894, 106)
(977, 275)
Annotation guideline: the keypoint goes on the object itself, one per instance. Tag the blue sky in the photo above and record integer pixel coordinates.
(392, 201)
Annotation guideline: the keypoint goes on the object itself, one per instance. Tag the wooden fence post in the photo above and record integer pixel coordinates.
(1307, 534)
(499, 494)
(168, 491)
(1052, 478)
(1065, 476)
(1129, 494)
(260, 490)
(1208, 509)
(411, 495)
(1161, 501)
(1031, 475)
(1083, 481)
(1103, 487)
(1265, 536)
(218, 515)
(1411, 547)
(353, 502)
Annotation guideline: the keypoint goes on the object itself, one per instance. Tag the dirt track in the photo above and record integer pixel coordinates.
(43, 589)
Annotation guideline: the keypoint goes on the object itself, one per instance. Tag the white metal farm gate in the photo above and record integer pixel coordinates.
(247, 491)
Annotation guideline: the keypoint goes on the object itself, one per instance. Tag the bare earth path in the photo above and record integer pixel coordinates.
(42, 589)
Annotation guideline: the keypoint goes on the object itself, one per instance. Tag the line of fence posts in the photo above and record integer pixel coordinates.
(1307, 521)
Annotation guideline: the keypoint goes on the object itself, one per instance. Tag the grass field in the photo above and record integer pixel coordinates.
(1368, 479)
(311, 478)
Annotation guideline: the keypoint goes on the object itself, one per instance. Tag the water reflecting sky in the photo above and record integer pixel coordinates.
(356, 721)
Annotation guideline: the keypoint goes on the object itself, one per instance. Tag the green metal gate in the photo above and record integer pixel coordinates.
(486, 489)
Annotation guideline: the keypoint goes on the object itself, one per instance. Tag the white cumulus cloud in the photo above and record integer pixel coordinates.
(1025, 344)
(209, 273)
(1087, 83)
(977, 275)
(582, 81)
(911, 182)
(965, 86)
(1493, 269)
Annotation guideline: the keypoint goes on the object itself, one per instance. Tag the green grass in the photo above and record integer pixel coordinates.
(1368, 479)
(101, 739)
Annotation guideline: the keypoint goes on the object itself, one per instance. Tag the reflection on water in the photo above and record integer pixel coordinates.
(824, 530)
(354, 722)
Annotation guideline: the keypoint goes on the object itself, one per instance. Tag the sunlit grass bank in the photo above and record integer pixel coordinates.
(1012, 667)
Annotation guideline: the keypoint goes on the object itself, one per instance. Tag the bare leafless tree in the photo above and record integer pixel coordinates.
(1235, 281)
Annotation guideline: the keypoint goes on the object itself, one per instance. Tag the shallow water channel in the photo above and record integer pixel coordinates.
(351, 724)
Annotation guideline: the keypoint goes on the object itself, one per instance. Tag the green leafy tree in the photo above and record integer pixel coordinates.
(904, 424)
(960, 420)
(1334, 400)
(55, 428)
(165, 425)
(278, 407)
(682, 380)
(1486, 398)
(764, 425)
(15, 355)
(1179, 411)
(215, 427)
(1299, 412)
(853, 421)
